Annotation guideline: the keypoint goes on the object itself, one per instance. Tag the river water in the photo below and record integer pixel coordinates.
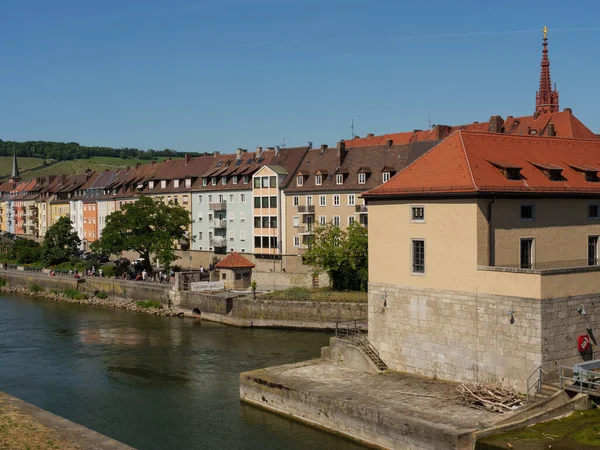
(150, 382)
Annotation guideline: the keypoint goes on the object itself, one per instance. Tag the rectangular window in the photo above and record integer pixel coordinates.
(386, 177)
(257, 222)
(151, 185)
(234, 180)
(265, 222)
(527, 212)
(273, 242)
(322, 220)
(273, 202)
(350, 220)
(273, 182)
(221, 198)
(593, 212)
(245, 179)
(242, 217)
(231, 198)
(318, 180)
(265, 182)
(213, 181)
(351, 200)
(322, 200)
(336, 221)
(296, 200)
(184, 199)
(296, 241)
(308, 200)
(163, 184)
(223, 180)
(418, 256)
(417, 214)
(200, 235)
(176, 183)
(210, 198)
(257, 202)
(242, 235)
(299, 180)
(336, 200)
(200, 217)
(339, 178)
(527, 253)
(592, 250)
(204, 181)
(296, 221)
(232, 236)
(362, 178)
(265, 242)
(199, 199)
(231, 216)
(242, 198)
(188, 182)
(264, 202)
(273, 222)
(257, 242)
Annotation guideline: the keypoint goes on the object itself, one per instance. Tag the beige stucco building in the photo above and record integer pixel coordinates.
(489, 269)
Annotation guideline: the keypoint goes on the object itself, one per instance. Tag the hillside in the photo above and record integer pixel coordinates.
(95, 163)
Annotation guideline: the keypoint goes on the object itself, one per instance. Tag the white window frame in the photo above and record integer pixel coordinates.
(242, 236)
(336, 219)
(243, 217)
(296, 221)
(318, 180)
(351, 220)
(242, 198)
(411, 212)
(299, 180)
(336, 200)
(204, 181)
(231, 216)
(309, 199)
(351, 199)
(223, 180)
(151, 184)
(322, 220)
(296, 241)
(296, 200)
(163, 184)
(386, 177)
(199, 199)
(322, 200)
(213, 181)
(234, 179)
(231, 198)
(412, 249)
(362, 178)
(231, 236)
(176, 182)
(188, 182)
(339, 178)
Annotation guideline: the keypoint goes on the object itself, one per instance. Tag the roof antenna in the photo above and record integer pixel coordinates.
(429, 120)
(352, 128)
(283, 143)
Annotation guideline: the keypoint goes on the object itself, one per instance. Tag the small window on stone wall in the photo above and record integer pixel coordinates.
(224, 276)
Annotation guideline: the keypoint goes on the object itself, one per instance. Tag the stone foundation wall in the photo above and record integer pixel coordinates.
(457, 336)
(131, 290)
(26, 279)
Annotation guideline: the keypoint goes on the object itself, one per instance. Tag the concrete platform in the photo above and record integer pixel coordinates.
(388, 410)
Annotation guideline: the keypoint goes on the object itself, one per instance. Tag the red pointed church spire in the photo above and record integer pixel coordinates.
(546, 99)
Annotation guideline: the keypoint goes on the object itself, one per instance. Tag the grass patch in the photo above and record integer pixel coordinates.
(318, 295)
(75, 295)
(149, 304)
(102, 295)
(35, 288)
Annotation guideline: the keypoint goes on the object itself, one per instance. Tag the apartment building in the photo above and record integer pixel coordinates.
(328, 184)
(483, 258)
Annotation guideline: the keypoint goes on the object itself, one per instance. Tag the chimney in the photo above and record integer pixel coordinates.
(441, 131)
(215, 154)
(568, 110)
(187, 159)
(277, 150)
(239, 152)
(389, 143)
(370, 135)
(258, 151)
(324, 147)
(551, 130)
(310, 145)
(496, 123)
(341, 152)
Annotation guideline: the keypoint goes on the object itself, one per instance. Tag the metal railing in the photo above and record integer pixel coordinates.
(219, 223)
(361, 208)
(535, 381)
(306, 209)
(218, 206)
(580, 378)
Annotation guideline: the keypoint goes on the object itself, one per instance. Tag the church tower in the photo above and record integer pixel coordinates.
(546, 99)
(14, 176)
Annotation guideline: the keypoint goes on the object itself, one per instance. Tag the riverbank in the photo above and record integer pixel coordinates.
(25, 426)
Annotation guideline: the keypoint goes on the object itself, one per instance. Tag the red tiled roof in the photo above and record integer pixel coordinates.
(472, 163)
(234, 261)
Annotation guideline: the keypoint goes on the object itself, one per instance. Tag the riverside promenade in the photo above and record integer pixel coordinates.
(387, 410)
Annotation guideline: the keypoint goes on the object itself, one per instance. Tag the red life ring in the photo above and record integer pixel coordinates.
(583, 343)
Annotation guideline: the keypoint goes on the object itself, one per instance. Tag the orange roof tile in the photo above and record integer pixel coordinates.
(472, 163)
(234, 261)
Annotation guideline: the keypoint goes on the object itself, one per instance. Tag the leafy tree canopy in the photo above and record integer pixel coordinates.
(25, 251)
(148, 226)
(60, 242)
(343, 254)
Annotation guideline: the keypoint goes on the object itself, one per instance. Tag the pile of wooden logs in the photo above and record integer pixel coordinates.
(488, 398)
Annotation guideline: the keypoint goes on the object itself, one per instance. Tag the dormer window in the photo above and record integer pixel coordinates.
(188, 182)
(246, 179)
(386, 177)
(362, 178)
(319, 180)
(213, 181)
(176, 183)
(509, 170)
(204, 181)
(339, 178)
(552, 172)
(590, 173)
(151, 185)
(299, 180)
(223, 180)
(163, 184)
(234, 179)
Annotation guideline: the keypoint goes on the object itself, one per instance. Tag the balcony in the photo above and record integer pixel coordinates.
(219, 206)
(361, 209)
(218, 241)
(309, 209)
(218, 223)
(306, 229)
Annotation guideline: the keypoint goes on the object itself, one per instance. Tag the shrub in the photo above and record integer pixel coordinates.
(110, 271)
(149, 304)
(102, 295)
(75, 295)
(36, 288)
(2, 282)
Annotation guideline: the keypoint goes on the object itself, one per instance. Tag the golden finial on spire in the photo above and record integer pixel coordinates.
(545, 32)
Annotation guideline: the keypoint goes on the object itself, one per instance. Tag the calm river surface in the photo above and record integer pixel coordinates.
(150, 382)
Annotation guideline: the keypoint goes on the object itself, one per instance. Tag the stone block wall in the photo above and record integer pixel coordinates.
(26, 279)
(131, 290)
(454, 335)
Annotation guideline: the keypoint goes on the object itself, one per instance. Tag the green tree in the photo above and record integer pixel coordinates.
(60, 242)
(149, 227)
(25, 251)
(343, 254)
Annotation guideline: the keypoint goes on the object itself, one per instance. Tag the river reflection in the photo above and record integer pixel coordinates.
(151, 382)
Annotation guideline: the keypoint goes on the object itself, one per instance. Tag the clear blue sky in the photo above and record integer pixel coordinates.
(221, 74)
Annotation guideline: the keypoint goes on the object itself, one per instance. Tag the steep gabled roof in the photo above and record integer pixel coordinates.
(475, 163)
(234, 261)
